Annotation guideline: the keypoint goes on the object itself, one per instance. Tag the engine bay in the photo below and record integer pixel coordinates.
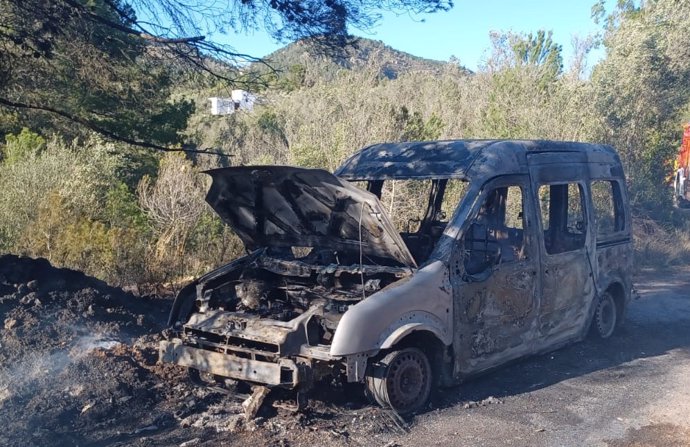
(273, 292)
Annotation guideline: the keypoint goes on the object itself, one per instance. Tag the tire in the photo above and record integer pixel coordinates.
(605, 319)
(401, 380)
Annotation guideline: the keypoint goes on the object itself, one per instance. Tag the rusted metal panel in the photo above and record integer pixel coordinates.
(496, 312)
(467, 159)
(230, 366)
(282, 206)
(567, 291)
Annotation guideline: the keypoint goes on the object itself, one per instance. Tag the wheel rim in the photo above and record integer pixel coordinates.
(606, 316)
(407, 381)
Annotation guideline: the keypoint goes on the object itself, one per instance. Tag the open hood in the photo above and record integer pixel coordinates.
(281, 206)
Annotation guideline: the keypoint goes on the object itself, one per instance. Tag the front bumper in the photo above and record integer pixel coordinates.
(285, 373)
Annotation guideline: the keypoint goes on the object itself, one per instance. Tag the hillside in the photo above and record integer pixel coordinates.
(364, 54)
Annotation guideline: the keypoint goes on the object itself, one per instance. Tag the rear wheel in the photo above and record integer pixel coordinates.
(401, 380)
(605, 316)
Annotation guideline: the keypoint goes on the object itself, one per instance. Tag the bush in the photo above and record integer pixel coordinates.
(21, 146)
(64, 202)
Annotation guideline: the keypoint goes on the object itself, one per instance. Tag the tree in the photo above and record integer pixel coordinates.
(174, 205)
(56, 64)
(642, 92)
(525, 50)
(522, 76)
(99, 64)
(539, 49)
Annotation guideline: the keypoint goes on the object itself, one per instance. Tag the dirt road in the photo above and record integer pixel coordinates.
(79, 368)
(632, 390)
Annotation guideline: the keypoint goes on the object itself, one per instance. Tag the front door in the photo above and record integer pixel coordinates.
(496, 284)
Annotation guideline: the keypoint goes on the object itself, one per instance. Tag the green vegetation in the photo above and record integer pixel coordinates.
(128, 214)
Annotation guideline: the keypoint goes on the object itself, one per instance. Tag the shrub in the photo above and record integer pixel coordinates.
(24, 144)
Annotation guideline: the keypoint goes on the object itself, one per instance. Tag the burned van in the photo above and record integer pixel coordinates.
(414, 265)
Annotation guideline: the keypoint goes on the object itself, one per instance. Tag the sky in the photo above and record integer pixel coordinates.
(463, 32)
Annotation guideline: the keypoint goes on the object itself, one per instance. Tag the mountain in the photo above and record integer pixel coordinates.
(363, 54)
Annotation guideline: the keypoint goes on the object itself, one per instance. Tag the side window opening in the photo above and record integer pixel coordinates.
(563, 218)
(608, 207)
(497, 234)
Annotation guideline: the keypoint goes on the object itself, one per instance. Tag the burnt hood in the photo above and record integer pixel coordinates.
(282, 206)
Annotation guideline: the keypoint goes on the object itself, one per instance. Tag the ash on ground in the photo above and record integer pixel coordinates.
(79, 366)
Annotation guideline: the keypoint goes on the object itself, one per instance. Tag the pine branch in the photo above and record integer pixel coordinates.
(105, 132)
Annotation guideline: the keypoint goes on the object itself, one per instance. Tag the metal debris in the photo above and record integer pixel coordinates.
(253, 403)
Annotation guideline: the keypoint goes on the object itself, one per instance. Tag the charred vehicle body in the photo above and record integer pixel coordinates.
(415, 265)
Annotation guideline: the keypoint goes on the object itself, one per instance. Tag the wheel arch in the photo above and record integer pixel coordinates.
(615, 287)
(617, 292)
(410, 332)
(430, 342)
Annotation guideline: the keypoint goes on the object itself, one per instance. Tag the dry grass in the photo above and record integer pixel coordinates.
(659, 245)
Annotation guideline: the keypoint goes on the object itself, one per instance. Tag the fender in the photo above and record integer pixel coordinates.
(422, 302)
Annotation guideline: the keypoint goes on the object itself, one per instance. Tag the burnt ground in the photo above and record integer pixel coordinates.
(78, 367)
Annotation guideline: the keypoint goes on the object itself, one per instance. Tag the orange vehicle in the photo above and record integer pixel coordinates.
(681, 193)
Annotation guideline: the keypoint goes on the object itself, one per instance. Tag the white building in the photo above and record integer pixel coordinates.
(239, 100)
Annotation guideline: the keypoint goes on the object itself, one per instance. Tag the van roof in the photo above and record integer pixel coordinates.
(464, 159)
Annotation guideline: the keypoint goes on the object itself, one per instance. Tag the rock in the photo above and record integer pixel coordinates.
(22, 289)
(86, 407)
(10, 323)
(235, 423)
(29, 299)
(259, 421)
(32, 285)
(482, 403)
(191, 442)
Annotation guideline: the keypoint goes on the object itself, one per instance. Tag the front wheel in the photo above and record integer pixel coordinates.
(401, 380)
(605, 316)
